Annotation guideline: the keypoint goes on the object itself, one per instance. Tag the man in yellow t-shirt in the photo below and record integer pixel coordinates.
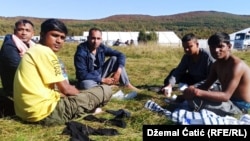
(41, 93)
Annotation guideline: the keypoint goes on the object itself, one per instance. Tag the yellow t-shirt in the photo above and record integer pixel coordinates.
(34, 95)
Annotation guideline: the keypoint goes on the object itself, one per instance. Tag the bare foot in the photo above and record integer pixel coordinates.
(131, 87)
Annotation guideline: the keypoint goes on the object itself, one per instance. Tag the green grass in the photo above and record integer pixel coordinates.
(146, 66)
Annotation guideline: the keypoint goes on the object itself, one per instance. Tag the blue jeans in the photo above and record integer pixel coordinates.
(110, 66)
(241, 104)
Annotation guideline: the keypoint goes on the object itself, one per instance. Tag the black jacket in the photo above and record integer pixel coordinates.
(9, 61)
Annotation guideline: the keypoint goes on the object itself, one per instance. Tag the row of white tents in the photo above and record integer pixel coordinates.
(168, 38)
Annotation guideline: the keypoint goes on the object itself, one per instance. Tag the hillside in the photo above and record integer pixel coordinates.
(202, 23)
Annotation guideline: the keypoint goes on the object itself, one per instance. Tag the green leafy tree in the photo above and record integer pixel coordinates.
(145, 37)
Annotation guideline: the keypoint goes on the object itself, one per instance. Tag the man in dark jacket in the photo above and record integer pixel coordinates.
(13, 48)
(91, 67)
(193, 67)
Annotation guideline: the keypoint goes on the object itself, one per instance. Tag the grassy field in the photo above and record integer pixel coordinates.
(146, 66)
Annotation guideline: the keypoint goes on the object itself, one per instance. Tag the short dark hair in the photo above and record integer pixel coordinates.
(217, 38)
(94, 29)
(53, 24)
(188, 37)
(23, 22)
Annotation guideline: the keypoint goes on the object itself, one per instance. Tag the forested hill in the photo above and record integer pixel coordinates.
(202, 23)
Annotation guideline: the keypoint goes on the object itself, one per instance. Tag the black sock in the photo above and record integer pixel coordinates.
(80, 132)
(93, 118)
(77, 131)
(105, 131)
(117, 122)
(119, 114)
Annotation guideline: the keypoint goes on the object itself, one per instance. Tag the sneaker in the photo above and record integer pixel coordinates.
(118, 95)
(121, 96)
(130, 95)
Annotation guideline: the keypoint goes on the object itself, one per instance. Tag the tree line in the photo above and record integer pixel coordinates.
(201, 23)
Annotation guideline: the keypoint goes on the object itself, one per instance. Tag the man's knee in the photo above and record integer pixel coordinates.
(102, 92)
(107, 92)
(113, 58)
(86, 84)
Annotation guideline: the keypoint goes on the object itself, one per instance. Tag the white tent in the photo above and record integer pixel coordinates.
(164, 37)
(168, 38)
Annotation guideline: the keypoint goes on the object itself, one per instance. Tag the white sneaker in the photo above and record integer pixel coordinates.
(130, 95)
(118, 95)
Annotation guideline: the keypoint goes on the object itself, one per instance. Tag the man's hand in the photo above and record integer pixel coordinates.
(117, 75)
(108, 81)
(167, 90)
(190, 92)
(66, 89)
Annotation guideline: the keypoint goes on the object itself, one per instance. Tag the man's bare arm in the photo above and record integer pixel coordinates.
(66, 89)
